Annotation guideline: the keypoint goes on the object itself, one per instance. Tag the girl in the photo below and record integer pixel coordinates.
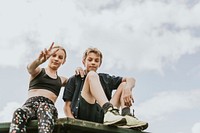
(44, 88)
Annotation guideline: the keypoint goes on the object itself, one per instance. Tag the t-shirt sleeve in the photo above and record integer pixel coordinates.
(69, 89)
(112, 81)
(115, 81)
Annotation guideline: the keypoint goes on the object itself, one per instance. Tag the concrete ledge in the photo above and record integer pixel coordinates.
(68, 125)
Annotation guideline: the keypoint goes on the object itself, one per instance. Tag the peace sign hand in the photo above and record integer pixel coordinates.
(45, 54)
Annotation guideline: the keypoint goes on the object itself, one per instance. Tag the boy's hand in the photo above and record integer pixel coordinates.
(127, 96)
(80, 71)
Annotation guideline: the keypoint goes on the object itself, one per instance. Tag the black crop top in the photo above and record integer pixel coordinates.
(43, 81)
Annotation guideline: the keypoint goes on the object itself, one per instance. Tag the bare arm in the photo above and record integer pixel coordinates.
(33, 68)
(127, 91)
(130, 82)
(67, 109)
(64, 80)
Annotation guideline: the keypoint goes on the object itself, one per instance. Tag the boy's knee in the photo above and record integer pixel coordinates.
(123, 84)
(91, 75)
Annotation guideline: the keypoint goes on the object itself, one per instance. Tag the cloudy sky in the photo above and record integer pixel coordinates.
(155, 41)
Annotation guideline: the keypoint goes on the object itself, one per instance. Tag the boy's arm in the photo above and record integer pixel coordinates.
(130, 82)
(67, 109)
(127, 91)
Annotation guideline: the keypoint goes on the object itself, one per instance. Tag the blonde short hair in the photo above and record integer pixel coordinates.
(93, 50)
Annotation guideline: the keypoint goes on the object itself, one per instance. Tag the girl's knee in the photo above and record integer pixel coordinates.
(19, 112)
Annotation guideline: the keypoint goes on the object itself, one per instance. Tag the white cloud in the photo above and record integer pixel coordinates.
(138, 37)
(165, 103)
(196, 128)
(132, 35)
(6, 113)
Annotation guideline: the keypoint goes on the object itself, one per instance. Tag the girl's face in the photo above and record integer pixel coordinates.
(57, 59)
(92, 62)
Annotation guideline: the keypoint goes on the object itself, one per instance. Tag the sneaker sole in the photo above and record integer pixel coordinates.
(121, 122)
(135, 127)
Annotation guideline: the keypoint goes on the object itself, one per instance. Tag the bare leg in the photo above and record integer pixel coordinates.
(117, 99)
(92, 89)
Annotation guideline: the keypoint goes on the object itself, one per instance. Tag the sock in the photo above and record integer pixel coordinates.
(126, 111)
(106, 106)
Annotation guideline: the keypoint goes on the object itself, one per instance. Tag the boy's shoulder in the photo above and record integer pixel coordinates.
(103, 74)
(74, 78)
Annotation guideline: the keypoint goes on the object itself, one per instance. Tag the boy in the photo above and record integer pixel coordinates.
(90, 98)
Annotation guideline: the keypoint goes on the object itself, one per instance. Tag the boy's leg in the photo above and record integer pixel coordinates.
(117, 99)
(93, 91)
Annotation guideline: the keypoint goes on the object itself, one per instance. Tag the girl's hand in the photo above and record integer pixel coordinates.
(45, 54)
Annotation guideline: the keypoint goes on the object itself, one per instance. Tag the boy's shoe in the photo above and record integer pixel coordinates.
(134, 123)
(112, 117)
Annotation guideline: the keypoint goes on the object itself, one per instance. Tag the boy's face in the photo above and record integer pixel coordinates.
(92, 62)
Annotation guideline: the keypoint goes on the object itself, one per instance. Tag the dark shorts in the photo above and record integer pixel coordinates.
(90, 112)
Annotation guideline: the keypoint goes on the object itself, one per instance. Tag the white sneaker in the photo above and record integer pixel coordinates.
(134, 123)
(112, 117)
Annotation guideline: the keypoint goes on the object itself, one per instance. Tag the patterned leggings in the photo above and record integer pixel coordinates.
(40, 108)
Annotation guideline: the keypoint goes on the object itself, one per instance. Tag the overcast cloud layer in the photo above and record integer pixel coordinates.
(152, 37)
(156, 39)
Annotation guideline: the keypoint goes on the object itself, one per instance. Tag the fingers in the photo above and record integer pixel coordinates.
(42, 57)
(50, 49)
(51, 46)
(80, 71)
(45, 54)
(54, 51)
(48, 53)
(45, 51)
(128, 101)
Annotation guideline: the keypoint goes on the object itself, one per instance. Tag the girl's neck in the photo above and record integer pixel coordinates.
(51, 71)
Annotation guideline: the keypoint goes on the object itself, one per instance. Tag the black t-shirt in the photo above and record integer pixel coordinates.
(75, 83)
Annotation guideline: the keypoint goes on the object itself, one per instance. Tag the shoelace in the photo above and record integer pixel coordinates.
(115, 111)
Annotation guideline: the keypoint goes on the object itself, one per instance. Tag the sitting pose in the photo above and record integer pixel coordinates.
(44, 88)
(90, 97)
